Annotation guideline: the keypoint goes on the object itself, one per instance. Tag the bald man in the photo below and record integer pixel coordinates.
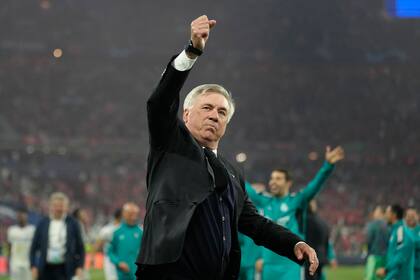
(412, 222)
(125, 243)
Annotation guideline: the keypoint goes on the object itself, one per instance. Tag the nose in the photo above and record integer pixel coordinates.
(214, 116)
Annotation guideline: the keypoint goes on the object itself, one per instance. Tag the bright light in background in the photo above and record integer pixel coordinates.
(45, 4)
(58, 53)
(313, 156)
(241, 157)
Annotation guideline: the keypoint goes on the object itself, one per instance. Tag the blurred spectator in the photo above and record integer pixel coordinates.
(318, 236)
(19, 238)
(81, 216)
(125, 244)
(412, 222)
(57, 250)
(103, 243)
(400, 251)
(377, 239)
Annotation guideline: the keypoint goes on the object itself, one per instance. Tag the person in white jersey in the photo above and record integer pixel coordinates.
(105, 237)
(19, 237)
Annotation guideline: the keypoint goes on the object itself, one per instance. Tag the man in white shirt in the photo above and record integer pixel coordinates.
(57, 250)
(19, 238)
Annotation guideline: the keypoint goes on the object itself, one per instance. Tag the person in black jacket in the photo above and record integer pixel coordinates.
(57, 250)
(196, 201)
(318, 236)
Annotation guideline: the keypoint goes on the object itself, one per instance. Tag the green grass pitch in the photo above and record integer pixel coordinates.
(341, 273)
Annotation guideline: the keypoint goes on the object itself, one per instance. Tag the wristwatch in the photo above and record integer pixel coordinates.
(191, 49)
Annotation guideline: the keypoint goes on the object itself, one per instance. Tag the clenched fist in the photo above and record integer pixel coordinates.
(200, 31)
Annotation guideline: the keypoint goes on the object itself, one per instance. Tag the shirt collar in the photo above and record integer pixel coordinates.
(62, 219)
(214, 151)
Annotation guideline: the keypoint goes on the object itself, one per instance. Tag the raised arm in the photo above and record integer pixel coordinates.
(163, 104)
(260, 199)
(315, 185)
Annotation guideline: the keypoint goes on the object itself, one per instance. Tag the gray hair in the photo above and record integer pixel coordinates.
(59, 196)
(202, 89)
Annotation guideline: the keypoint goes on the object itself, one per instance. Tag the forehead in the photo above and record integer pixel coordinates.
(58, 202)
(213, 98)
(411, 212)
(277, 174)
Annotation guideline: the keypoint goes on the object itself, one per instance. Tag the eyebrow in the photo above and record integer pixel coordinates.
(211, 105)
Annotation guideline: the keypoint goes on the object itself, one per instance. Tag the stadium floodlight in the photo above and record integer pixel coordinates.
(241, 157)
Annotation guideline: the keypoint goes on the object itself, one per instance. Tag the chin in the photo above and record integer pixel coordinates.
(210, 136)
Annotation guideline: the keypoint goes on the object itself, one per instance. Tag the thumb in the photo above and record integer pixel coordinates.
(212, 23)
(299, 254)
(328, 149)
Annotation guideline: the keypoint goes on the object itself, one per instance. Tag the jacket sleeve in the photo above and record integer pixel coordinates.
(266, 233)
(369, 236)
(163, 105)
(80, 247)
(315, 185)
(35, 245)
(112, 250)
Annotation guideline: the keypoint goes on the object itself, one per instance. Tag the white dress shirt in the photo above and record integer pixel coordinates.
(57, 237)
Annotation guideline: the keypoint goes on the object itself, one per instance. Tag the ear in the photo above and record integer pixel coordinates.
(185, 115)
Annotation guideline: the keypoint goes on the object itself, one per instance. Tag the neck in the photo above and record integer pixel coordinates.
(58, 217)
(282, 194)
(209, 144)
(394, 222)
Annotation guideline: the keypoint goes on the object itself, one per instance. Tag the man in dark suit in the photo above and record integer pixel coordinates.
(318, 236)
(57, 250)
(196, 200)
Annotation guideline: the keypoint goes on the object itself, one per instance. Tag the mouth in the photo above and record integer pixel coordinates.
(210, 127)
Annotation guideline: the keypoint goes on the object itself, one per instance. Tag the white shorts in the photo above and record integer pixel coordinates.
(109, 269)
(20, 273)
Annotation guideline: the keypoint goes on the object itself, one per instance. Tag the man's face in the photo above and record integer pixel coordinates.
(389, 215)
(22, 218)
(131, 215)
(84, 217)
(58, 208)
(378, 213)
(279, 186)
(207, 118)
(411, 218)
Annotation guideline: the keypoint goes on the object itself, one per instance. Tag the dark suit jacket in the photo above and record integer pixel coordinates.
(179, 178)
(317, 236)
(75, 251)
